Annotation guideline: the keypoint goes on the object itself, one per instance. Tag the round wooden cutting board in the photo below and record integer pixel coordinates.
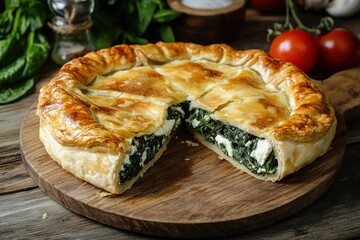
(189, 192)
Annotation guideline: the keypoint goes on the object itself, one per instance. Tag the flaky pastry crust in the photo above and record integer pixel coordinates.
(100, 101)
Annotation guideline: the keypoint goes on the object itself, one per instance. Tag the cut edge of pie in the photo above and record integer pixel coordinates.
(108, 116)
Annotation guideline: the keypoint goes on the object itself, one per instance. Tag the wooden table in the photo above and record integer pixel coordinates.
(28, 213)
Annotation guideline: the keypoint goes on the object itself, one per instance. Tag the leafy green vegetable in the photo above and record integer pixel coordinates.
(12, 72)
(14, 91)
(145, 11)
(36, 54)
(36, 14)
(6, 22)
(132, 21)
(26, 65)
(12, 3)
(22, 48)
(8, 45)
(165, 15)
(166, 33)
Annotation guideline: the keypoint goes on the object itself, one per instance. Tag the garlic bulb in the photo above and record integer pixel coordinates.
(343, 8)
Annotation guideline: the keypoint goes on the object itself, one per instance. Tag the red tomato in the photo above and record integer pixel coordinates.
(296, 46)
(269, 6)
(339, 50)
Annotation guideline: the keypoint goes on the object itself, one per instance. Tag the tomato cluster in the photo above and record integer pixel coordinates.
(337, 50)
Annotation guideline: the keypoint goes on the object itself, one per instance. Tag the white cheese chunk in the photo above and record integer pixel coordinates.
(166, 128)
(262, 151)
(224, 141)
(179, 109)
(195, 123)
(143, 158)
(127, 158)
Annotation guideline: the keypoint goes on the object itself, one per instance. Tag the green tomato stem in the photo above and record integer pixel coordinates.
(326, 23)
(292, 9)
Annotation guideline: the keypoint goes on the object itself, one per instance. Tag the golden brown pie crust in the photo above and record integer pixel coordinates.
(74, 108)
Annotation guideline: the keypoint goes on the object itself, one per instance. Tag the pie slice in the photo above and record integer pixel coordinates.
(108, 116)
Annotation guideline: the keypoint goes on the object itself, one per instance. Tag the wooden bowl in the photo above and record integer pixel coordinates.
(206, 26)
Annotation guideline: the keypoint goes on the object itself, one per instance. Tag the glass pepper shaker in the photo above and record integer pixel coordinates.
(71, 24)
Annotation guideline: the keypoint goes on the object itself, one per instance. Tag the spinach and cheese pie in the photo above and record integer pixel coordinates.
(108, 116)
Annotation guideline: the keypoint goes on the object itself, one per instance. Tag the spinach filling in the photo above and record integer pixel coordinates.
(144, 148)
(235, 143)
(240, 143)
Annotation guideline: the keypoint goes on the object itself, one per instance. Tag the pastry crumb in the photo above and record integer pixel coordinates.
(220, 157)
(105, 194)
(187, 159)
(45, 216)
(191, 143)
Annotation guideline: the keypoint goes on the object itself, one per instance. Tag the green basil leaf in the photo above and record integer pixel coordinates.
(138, 21)
(134, 39)
(161, 4)
(165, 15)
(145, 11)
(106, 31)
(166, 33)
